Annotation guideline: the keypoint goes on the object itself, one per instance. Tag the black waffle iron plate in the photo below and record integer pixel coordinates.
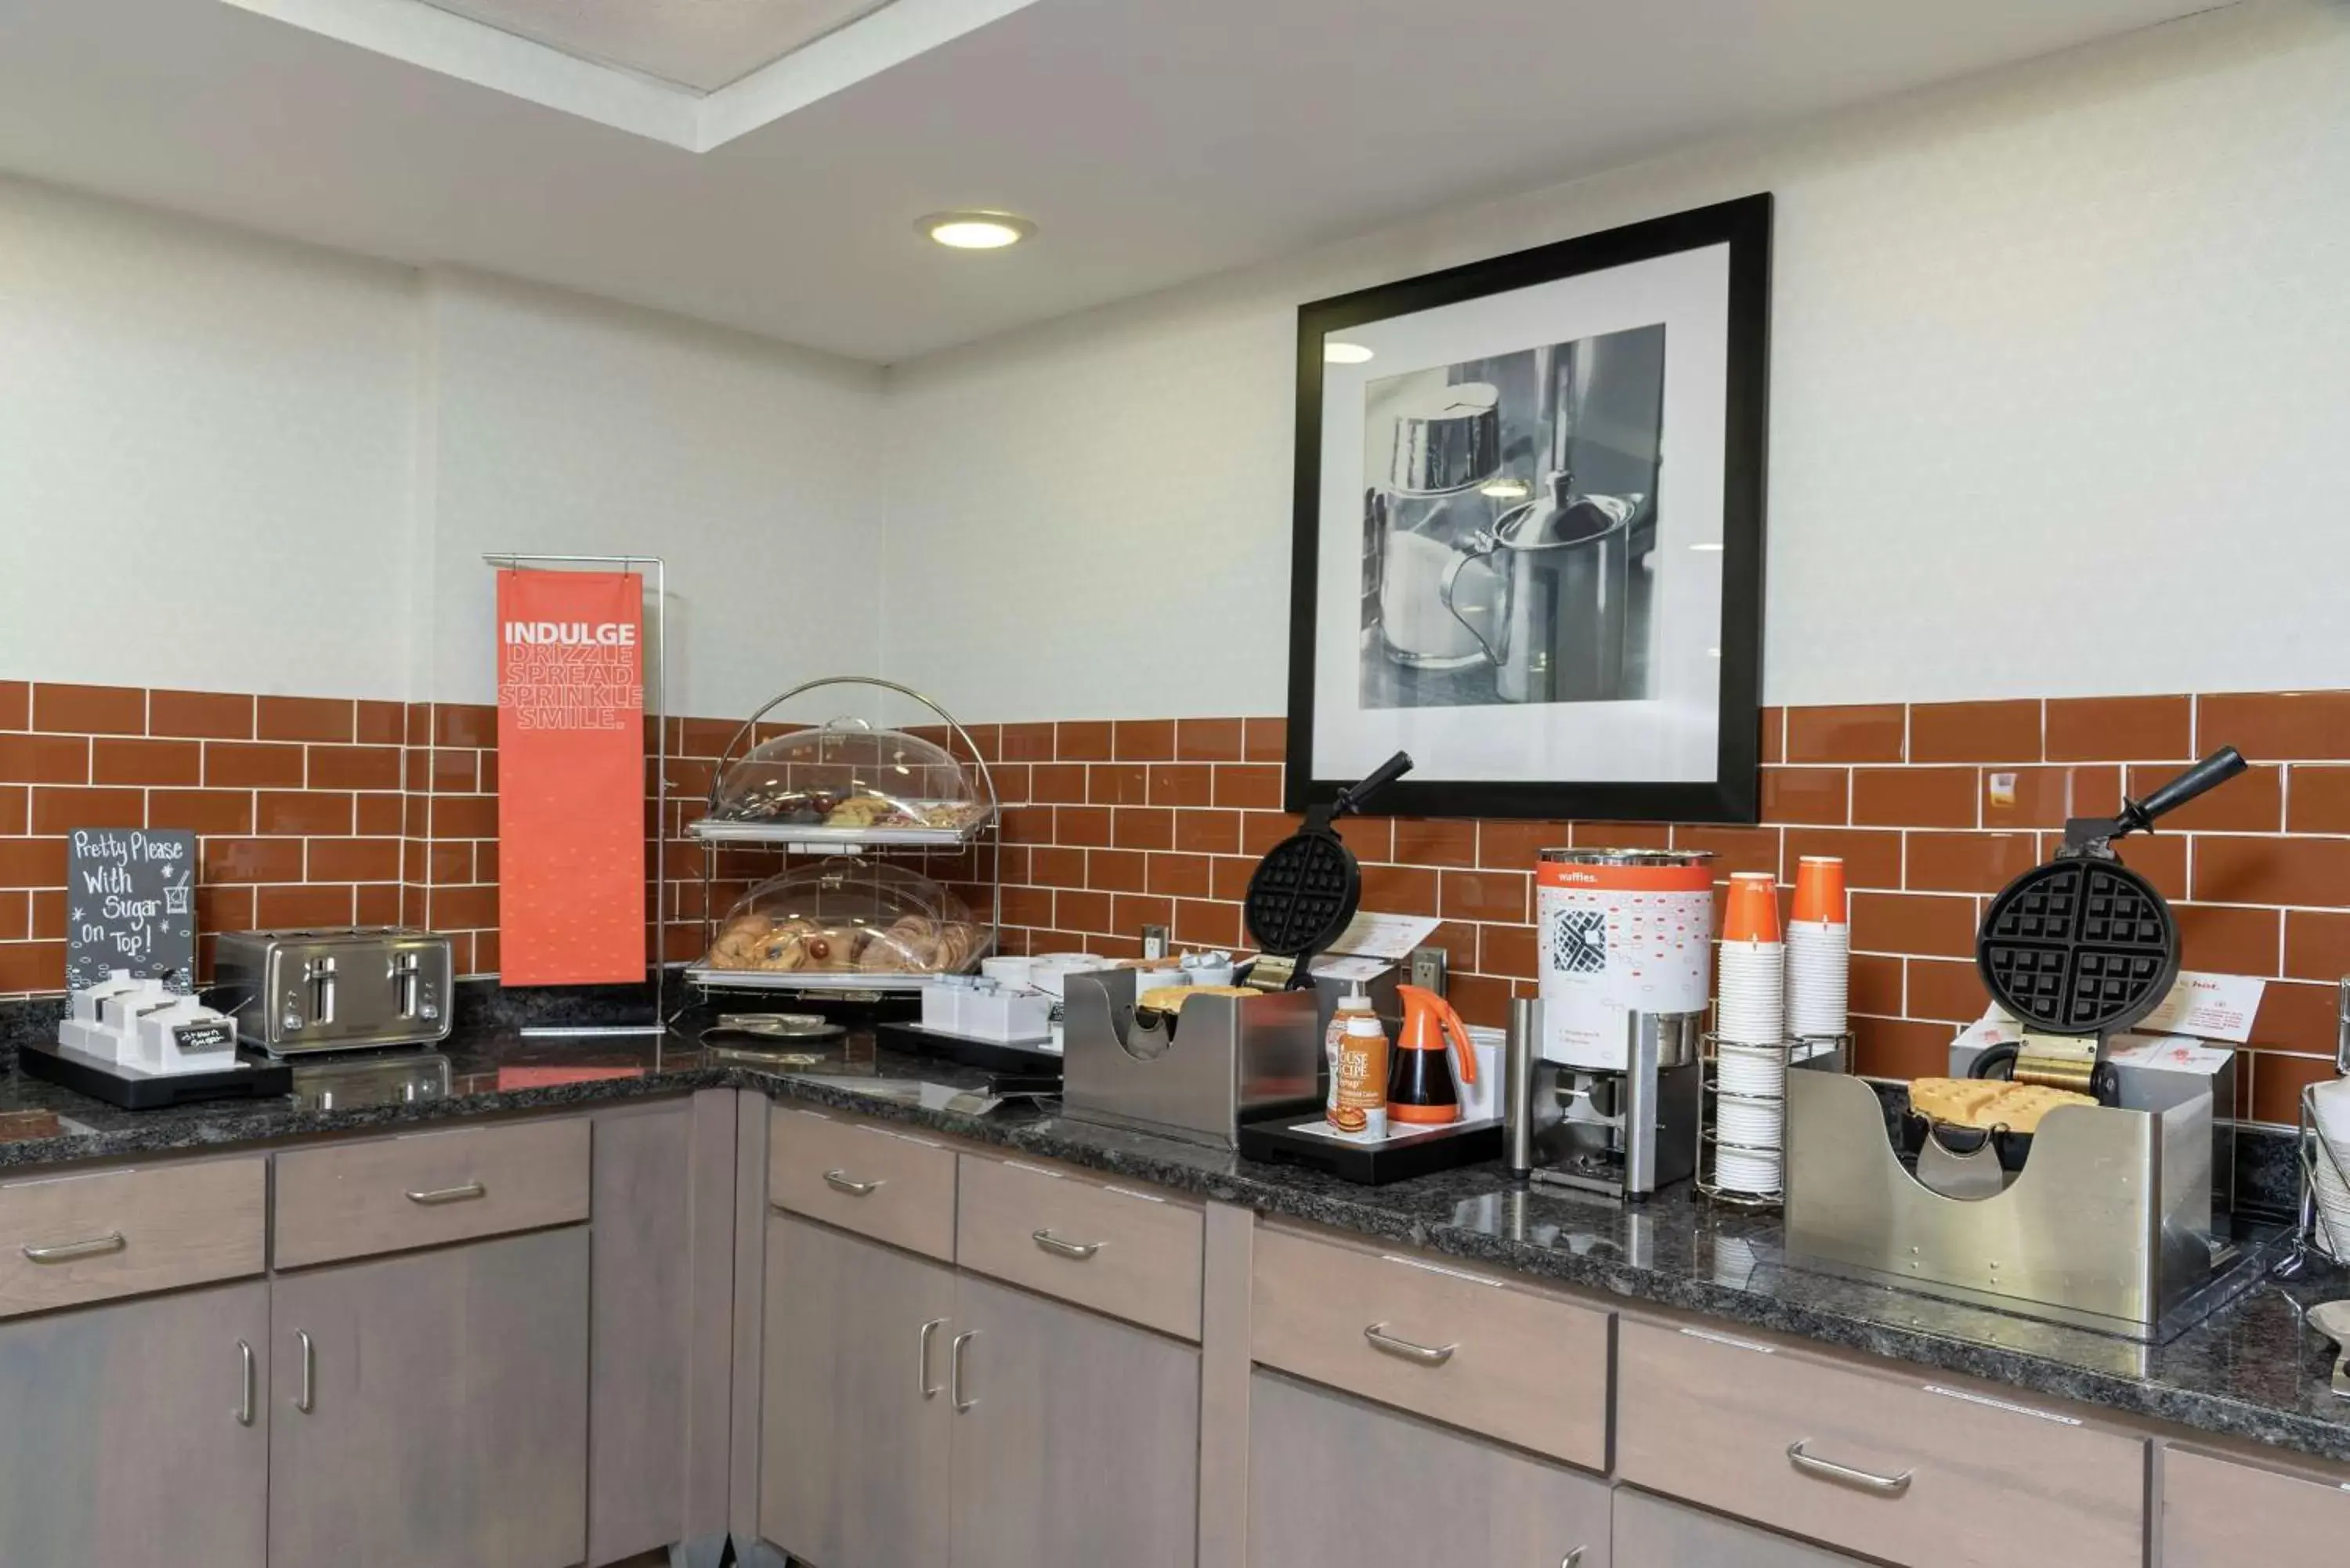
(1305, 890)
(2084, 945)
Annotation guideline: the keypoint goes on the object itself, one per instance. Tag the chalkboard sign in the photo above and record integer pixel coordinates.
(130, 904)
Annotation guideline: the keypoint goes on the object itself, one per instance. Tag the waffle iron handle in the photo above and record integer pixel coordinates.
(1352, 797)
(2209, 774)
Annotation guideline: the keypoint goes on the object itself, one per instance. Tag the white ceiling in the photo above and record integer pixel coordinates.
(699, 43)
(1153, 141)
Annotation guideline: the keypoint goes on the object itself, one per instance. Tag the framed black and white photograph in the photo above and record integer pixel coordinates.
(1529, 529)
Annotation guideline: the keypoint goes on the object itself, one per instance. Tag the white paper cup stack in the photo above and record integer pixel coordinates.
(1819, 977)
(1752, 1007)
(2333, 1106)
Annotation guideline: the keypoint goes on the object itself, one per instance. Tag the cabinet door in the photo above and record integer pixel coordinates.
(1337, 1483)
(2217, 1515)
(856, 1419)
(1653, 1533)
(123, 1442)
(1078, 1438)
(446, 1418)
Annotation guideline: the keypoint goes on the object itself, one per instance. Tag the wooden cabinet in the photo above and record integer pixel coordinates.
(433, 1410)
(855, 1416)
(1076, 1437)
(914, 1417)
(1892, 1463)
(662, 1309)
(1337, 1483)
(88, 1236)
(139, 1433)
(1653, 1533)
(2217, 1513)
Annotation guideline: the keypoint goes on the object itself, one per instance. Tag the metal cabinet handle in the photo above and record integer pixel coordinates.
(841, 1181)
(929, 1329)
(1883, 1486)
(1418, 1355)
(66, 1252)
(954, 1368)
(244, 1407)
(1078, 1250)
(1572, 1560)
(440, 1195)
(307, 1400)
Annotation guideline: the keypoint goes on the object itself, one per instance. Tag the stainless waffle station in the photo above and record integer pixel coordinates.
(2116, 1222)
(1627, 1134)
(1196, 1075)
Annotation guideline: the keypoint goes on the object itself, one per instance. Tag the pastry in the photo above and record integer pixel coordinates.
(863, 811)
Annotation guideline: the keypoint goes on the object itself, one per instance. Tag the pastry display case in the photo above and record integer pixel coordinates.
(883, 817)
(843, 922)
(842, 783)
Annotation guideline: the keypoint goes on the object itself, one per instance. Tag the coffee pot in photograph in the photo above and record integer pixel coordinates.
(1551, 578)
(1447, 449)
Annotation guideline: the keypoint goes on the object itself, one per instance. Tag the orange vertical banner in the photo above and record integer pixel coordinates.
(571, 777)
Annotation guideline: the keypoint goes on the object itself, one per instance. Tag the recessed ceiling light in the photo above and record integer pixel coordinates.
(1714, 544)
(1507, 489)
(1335, 353)
(975, 231)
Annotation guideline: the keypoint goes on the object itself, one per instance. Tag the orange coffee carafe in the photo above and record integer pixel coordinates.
(1421, 1089)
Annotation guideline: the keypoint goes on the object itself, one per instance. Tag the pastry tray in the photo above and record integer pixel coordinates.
(1399, 1157)
(1036, 1056)
(704, 974)
(716, 830)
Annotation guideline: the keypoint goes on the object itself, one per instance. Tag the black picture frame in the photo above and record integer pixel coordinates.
(1733, 795)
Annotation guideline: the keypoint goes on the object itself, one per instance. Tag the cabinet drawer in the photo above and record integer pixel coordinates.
(353, 1200)
(1130, 1254)
(862, 1177)
(1453, 1344)
(2217, 1513)
(1891, 1465)
(74, 1238)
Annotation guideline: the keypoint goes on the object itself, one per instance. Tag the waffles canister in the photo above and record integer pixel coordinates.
(1620, 932)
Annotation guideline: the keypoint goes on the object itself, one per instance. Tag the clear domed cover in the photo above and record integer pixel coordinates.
(846, 914)
(847, 778)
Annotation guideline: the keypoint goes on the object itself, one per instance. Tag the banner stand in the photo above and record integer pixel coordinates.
(657, 695)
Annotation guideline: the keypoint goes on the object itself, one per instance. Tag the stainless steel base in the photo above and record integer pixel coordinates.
(2109, 1225)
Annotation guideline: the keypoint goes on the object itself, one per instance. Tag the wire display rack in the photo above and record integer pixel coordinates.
(2310, 1232)
(1807, 1052)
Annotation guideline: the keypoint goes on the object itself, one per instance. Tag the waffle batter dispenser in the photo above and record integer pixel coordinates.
(2118, 1218)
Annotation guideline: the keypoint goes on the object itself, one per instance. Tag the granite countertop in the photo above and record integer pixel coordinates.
(2249, 1371)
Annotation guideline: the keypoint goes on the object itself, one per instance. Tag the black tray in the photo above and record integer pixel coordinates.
(1402, 1157)
(987, 1056)
(254, 1076)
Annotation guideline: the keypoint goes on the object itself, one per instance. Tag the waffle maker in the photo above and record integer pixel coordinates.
(1304, 892)
(2084, 947)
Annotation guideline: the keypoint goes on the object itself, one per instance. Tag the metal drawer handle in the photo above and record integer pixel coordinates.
(464, 1194)
(66, 1252)
(841, 1181)
(954, 1369)
(1079, 1250)
(1572, 1560)
(1418, 1355)
(1883, 1486)
(307, 1400)
(929, 1328)
(245, 1408)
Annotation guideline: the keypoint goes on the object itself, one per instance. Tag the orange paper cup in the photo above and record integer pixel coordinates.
(1752, 915)
(1819, 889)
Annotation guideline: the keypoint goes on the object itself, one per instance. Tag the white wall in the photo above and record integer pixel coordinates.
(205, 444)
(230, 464)
(2057, 358)
(565, 424)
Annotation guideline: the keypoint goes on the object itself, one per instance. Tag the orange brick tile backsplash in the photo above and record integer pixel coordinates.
(312, 809)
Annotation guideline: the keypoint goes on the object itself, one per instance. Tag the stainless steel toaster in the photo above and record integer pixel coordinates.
(336, 990)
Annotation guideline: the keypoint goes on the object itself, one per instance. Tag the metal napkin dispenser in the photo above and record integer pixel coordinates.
(334, 990)
(2112, 1223)
(1195, 1075)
